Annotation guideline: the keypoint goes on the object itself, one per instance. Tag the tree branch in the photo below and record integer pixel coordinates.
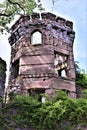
(16, 3)
(7, 15)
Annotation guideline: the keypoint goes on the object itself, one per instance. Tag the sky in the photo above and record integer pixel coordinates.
(75, 11)
(72, 10)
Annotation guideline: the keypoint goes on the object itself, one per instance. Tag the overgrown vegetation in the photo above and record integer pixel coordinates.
(11, 8)
(81, 76)
(59, 113)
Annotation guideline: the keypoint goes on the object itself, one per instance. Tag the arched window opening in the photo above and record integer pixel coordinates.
(36, 38)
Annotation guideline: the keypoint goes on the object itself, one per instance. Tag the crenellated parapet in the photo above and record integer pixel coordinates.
(60, 27)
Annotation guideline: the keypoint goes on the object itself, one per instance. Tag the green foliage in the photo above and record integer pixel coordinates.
(59, 113)
(11, 8)
(81, 76)
(60, 95)
(84, 93)
(81, 79)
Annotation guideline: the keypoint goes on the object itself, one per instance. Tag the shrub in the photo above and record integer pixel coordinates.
(61, 113)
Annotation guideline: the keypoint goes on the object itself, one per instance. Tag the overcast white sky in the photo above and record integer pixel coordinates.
(73, 10)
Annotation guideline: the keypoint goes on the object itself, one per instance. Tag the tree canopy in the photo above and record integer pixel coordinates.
(81, 76)
(10, 8)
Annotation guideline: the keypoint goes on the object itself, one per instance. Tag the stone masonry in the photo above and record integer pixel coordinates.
(2, 79)
(42, 55)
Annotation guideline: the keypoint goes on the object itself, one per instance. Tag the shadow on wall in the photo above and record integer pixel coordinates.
(2, 78)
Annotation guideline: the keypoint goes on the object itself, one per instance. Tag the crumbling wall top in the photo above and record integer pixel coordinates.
(45, 16)
(58, 26)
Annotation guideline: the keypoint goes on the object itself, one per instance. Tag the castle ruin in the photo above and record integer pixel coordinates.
(42, 55)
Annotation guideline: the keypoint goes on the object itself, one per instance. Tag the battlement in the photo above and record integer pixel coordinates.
(48, 20)
(45, 16)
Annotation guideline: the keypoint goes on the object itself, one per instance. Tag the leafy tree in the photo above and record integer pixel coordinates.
(10, 8)
(81, 76)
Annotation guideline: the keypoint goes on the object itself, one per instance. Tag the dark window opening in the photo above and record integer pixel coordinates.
(15, 67)
(59, 72)
(36, 92)
(36, 38)
(62, 73)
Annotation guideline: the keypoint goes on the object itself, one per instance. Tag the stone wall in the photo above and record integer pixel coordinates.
(32, 66)
(2, 77)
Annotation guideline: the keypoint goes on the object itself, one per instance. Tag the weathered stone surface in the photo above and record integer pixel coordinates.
(2, 76)
(65, 84)
(36, 69)
(37, 83)
(48, 64)
(2, 79)
(39, 59)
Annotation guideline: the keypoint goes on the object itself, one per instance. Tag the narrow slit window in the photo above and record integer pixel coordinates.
(36, 38)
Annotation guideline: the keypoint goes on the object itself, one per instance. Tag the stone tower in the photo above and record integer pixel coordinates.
(42, 55)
